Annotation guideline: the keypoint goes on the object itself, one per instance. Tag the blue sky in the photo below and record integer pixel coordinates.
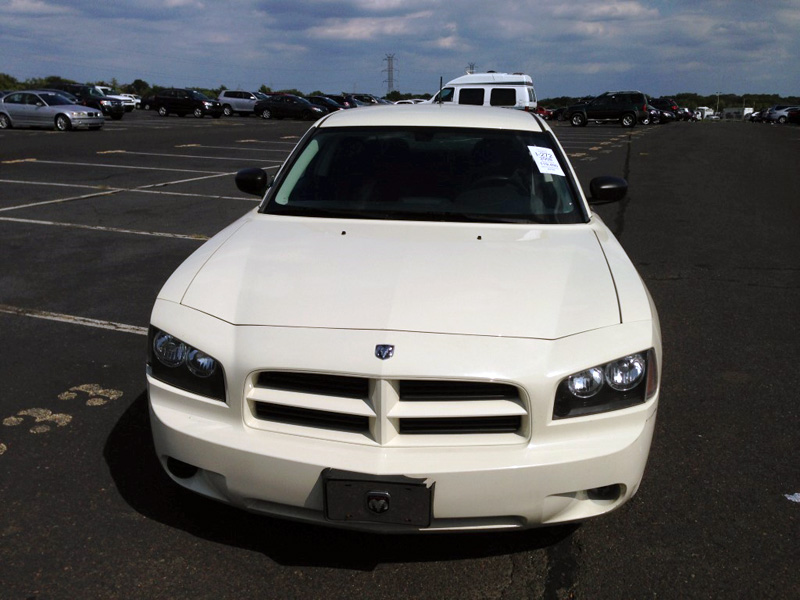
(576, 48)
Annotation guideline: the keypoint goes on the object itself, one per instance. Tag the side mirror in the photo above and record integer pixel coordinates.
(606, 189)
(253, 181)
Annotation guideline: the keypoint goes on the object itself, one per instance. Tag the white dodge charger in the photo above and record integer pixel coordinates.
(422, 327)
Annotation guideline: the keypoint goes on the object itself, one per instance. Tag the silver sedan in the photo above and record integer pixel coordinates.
(36, 108)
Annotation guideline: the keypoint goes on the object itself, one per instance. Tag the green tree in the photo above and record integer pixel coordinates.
(7, 82)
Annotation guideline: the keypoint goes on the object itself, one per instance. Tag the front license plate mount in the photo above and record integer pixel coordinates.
(393, 500)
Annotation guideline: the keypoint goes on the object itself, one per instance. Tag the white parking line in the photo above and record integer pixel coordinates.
(197, 156)
(96, 165)
(75, 320)
(195, 236)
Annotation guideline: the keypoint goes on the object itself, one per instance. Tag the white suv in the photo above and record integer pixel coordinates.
(510, 90)
(237, 101)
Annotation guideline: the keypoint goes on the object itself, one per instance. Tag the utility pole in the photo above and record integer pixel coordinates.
(390, 70)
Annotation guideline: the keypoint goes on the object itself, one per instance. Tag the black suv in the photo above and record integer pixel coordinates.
(90, 95)
(279, 106)
(626, 108)
(185, 102)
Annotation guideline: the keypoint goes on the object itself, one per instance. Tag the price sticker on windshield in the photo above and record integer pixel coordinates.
(546, 160)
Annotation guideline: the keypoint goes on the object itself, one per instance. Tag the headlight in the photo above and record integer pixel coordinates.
(77, 114)
(106, 102)
(207, 104)
(174, 362)
(621, 383)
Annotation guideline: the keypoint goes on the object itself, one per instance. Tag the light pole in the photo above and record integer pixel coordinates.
(717, 113)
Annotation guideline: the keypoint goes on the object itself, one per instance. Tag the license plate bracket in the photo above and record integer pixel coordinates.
(394, 500)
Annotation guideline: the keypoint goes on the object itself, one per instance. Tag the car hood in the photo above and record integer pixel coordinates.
(474, 279)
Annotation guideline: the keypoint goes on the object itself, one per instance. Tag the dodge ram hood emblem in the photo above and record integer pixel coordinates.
(384, 351)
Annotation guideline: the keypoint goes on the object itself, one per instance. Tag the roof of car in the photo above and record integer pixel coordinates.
(437, 115)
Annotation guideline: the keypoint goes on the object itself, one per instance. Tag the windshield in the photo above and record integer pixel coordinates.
(428, 174)
(198, 95)
(53, 99)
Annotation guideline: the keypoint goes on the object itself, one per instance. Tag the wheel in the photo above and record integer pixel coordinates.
(146, 106)
(628, 120)
(162, 110)
(5, 122)
(227, 110)
(578, 120)
(781, 120)
(63, 123)
(265, 114)
(198, 113)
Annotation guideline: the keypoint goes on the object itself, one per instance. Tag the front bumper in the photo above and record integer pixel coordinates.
(548, 472)
(475, 488)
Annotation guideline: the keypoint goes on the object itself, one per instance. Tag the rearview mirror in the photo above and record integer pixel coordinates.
(606, 189)
(253, 181)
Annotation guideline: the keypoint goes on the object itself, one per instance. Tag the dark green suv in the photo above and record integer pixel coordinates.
(625, 108)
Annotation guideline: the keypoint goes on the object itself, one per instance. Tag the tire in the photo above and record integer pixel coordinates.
(227, 111)
(198, 113)
(5, 122)
(162, 110)
(578, 120)
(146, 106)
(781, 120)
(266, 114)
(628, 120)
(63, 123)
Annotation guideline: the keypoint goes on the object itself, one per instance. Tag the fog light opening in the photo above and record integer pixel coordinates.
(605, 493)
(180, 469)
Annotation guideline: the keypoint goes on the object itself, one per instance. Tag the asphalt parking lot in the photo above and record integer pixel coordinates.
(92, 224)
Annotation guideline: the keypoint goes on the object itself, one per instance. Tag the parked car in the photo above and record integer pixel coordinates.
(325, 103)
(183, 102)
(370, 99)
(93, 97)
(666, 104)
(410, 101)
(128, 102)
(779, 114)
(38, 108)
(137, 99)
(793, 115)
(237, 101)
(650, 116)
(282, 106)
(422, 327)
(625, 107)
(510, 90)
(346, 100)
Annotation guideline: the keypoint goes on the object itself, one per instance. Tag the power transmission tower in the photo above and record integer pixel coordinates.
(390, 70)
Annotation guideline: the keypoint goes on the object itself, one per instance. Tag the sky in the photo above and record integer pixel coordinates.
(570, 48)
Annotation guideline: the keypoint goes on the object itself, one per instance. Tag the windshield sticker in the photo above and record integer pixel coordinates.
(546, 160)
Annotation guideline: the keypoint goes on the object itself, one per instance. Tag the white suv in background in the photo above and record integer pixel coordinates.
(510, 90)
(237, 101)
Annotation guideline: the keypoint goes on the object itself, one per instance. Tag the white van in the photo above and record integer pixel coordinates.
(512, 90)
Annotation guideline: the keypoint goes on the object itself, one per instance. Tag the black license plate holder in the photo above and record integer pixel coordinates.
(393, 500)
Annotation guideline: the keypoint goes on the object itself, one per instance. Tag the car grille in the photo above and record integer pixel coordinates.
(386, 411)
